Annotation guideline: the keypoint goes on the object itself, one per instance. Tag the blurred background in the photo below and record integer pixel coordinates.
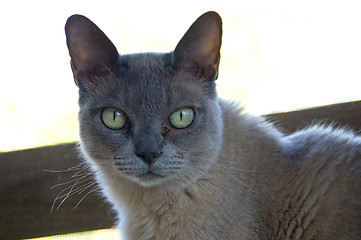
(277, 56)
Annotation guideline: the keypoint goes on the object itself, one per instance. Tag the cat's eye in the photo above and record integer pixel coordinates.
(113, 118)
(182, 118)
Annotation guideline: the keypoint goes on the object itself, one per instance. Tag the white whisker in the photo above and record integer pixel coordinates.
(238, 180)
(80, 181)
(62, 184)
(96, 188)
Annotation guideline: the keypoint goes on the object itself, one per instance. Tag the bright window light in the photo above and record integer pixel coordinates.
(276, 56)
(108, 234)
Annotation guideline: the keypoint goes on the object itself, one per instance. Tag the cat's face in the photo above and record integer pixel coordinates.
(151, 118)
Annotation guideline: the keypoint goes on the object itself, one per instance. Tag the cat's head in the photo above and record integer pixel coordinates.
(152, 118)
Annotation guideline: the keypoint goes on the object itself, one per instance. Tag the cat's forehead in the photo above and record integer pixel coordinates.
(144, 70)
(146, 61)
(144, 78)
(148, 83)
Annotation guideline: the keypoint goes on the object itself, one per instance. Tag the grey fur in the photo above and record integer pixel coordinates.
(228, 175)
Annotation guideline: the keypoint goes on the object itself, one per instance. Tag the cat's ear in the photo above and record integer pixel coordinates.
(91, 51)
(199, 49)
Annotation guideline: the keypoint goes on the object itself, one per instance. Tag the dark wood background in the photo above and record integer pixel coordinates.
(27, 178)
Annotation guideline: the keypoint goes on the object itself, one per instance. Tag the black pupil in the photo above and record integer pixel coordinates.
(181, 116)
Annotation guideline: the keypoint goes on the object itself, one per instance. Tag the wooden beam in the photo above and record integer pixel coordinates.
(342, 114)
(26, 196)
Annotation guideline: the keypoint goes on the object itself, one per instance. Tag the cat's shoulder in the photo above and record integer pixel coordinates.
(326, 136)
(239, 121)
(316, 139)
(322, 144)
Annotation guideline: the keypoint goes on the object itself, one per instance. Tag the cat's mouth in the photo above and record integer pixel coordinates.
(147, 175)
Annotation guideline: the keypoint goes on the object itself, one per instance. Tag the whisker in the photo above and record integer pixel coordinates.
(71, 192)
(239, 181)
(62, 184)
(79, 182)
(96, 188)
(83, 188)
(77, 174)
(57, 198)
(70, 169)
(74, 190)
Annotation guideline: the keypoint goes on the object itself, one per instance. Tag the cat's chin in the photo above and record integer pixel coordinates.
(148, 179)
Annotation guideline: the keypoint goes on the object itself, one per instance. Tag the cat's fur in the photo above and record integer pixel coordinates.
(228, 175)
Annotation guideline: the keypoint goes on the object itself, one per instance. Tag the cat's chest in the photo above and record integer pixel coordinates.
(163, 221)
(188, 215)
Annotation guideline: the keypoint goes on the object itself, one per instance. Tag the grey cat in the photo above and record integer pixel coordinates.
(177, 162)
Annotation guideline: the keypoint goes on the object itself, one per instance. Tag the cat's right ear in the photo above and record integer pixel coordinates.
(92, 53)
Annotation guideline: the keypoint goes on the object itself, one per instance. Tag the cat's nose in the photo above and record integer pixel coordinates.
(147, 157)
(148, 145)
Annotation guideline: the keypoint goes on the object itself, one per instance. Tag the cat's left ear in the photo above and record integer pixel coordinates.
(199, 49)
(91, 51)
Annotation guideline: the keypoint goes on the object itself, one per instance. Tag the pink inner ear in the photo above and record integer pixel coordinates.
(210, 49)
(211, 63)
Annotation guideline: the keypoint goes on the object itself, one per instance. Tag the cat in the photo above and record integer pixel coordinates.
(177, 162)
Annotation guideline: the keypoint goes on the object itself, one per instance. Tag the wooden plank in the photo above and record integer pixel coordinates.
(343, 114)
(26, 196)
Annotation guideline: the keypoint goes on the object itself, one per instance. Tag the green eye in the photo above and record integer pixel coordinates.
(113, 118)
(182, 118)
